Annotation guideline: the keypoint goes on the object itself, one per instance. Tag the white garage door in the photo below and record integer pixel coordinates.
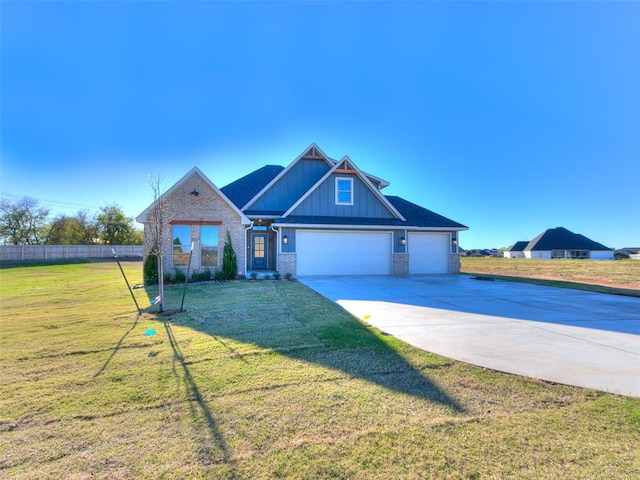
(429, 253)
(343, 253)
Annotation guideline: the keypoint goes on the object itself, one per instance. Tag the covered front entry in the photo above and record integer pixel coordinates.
(343, 253)
(429, 252)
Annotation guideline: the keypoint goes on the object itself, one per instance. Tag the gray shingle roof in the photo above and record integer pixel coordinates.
(562, 239)
(244, 189)
(421, 217)
(247, 187)
(517, 247)
(415, 215)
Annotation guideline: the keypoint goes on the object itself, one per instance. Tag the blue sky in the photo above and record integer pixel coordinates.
(508, 117)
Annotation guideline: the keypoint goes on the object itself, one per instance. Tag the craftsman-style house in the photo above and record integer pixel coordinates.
(317, 216)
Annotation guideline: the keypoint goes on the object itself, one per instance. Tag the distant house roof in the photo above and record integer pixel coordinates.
(517, 247)
(415, 215)
(626, 252)
(562, 239)
(247, 187)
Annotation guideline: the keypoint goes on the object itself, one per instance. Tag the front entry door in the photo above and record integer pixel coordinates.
(259, 251)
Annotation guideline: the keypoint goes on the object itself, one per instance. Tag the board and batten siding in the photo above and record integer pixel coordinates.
(321, 202)
(294, 183)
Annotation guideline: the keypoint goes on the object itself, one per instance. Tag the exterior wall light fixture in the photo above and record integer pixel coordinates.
(403, 241)
(285, 240)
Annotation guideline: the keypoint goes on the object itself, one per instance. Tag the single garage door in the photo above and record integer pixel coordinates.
(343, 253)
(429, 253)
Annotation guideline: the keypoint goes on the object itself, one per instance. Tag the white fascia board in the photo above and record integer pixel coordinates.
(265, 217)
(331, 226)
(360, 175)
(383, 183)
(437, 229)
(284, 172)
(195, 170)
(309, 226)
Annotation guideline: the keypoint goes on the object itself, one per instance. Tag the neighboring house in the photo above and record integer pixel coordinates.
(627, 253)
(562, 243)
(516, 250)
(318, 216)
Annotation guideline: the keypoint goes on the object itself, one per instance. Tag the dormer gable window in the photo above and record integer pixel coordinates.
(344, 191)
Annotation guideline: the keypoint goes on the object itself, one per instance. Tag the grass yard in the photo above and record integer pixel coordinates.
(608, 276)
(268, 380)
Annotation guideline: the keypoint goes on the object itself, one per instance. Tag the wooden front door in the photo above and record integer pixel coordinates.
(259, 251)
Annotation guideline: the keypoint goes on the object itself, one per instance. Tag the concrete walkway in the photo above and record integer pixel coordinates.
(566, 336)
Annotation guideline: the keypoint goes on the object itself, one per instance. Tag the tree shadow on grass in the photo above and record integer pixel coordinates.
(197, 403)
(292, 320)
(116, 348)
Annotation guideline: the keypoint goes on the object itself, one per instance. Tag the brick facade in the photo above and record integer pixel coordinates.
(287, 263)
(208, 206)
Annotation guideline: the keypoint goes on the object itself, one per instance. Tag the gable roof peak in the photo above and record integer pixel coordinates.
(313, 151)
(353, 169)
(142, 217)
(345, 165)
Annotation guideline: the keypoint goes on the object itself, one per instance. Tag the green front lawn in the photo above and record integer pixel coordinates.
(267, 380)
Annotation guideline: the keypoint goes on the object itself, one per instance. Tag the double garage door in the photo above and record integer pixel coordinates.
(368, 253)
(343, 253)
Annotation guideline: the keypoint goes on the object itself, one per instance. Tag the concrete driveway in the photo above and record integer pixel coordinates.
(571, 337)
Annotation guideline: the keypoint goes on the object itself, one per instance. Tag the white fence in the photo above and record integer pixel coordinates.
(18, 253)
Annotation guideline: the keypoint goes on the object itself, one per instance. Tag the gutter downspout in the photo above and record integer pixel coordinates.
(246, 248)
(277, 244)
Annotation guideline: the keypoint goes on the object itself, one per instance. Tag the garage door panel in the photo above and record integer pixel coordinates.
(429, 253)
(343, 253)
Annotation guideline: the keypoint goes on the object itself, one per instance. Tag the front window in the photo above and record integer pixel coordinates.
(181, 235)
(209, 246)
(344, 191)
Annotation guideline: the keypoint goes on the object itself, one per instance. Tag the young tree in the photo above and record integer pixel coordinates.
(154, 234)
(155, 238)
(23, 222)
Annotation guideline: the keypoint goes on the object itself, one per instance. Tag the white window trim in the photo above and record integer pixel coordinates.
(350, 180)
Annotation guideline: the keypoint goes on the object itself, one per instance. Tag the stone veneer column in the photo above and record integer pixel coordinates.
(455, 263)
(400, 264)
